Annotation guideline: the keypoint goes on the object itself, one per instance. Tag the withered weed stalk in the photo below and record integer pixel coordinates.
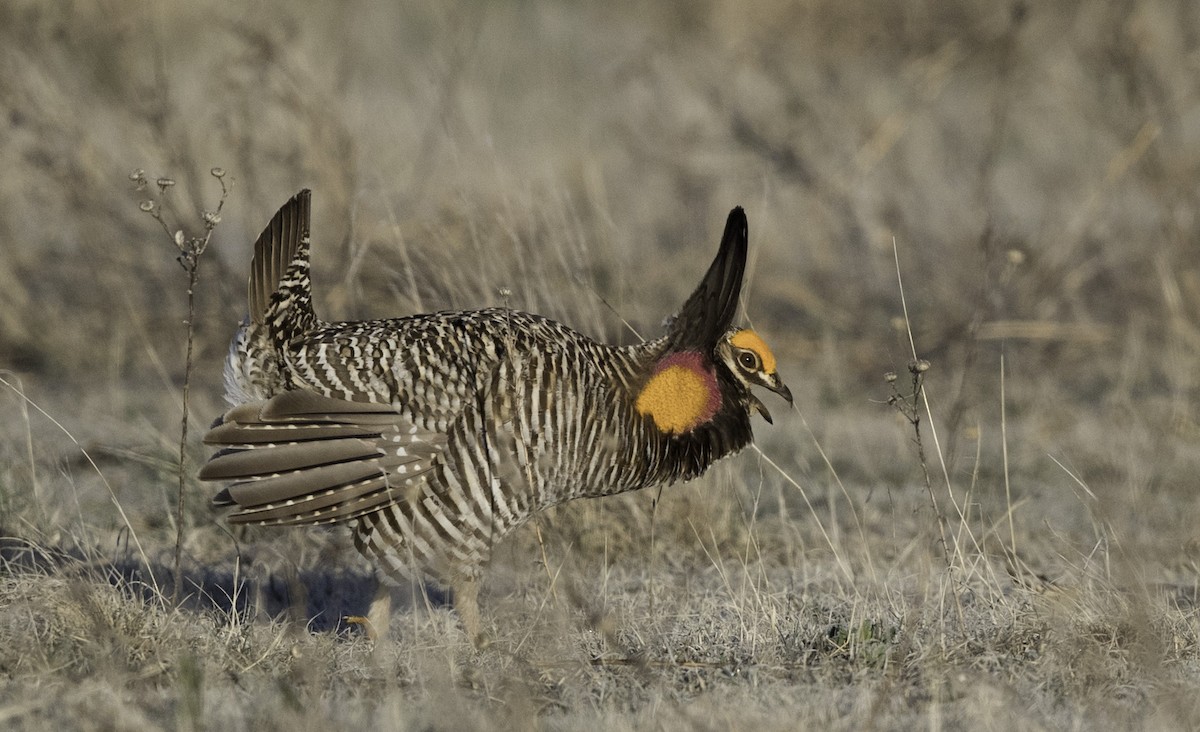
(191, 248)
(911, 405)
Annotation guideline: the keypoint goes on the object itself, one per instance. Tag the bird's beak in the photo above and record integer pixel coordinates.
(756, 405)
(776, 386)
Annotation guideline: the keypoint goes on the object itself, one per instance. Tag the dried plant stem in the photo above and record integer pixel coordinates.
(1012, 530)
(193, 270)
(191, 250)
(917, 367)
(912, 411)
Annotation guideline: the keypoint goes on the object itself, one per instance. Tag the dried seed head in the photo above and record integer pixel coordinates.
(217, 172)
(211, 218)
(918, 366)
(147, 206)
(137, 175)
(165, 183)
(890, 377)
(179, 238)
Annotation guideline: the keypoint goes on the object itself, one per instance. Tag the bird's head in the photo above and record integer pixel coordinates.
(706, 366)
(749, 359)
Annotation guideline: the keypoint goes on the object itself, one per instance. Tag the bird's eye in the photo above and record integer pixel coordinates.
(748, 360)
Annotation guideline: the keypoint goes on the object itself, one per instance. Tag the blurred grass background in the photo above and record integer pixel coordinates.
(1034, 165)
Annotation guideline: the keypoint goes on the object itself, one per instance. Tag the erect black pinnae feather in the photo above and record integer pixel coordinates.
(708, 313)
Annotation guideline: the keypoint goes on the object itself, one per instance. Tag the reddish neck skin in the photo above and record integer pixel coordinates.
(695, 362)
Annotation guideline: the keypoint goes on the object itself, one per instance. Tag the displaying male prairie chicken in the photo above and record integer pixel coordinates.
(433, 436)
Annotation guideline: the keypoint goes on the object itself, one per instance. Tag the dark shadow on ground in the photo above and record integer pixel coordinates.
(319, 599)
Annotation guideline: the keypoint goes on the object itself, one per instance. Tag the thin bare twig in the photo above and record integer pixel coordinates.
(191, 249)
(909, 405)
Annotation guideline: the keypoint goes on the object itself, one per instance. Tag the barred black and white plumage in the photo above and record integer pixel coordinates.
(432, 436)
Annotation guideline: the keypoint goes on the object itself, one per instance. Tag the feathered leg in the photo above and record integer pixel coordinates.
(466, 602)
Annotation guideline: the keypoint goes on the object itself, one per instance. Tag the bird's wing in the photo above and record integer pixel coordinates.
(302, 458)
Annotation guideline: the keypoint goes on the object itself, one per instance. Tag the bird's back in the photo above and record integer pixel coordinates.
(503, 374)
(519, 413)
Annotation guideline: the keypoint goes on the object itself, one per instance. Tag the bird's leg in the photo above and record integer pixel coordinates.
(379, 614)
(466, 602)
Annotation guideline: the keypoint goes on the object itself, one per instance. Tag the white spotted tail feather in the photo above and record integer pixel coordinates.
(328, 460)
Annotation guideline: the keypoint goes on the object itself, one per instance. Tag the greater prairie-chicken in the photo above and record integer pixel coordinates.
(432, 436)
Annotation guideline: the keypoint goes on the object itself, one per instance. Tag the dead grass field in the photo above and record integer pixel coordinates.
(1036, 166)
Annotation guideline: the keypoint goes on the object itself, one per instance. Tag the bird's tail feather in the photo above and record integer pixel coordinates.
(280, 292)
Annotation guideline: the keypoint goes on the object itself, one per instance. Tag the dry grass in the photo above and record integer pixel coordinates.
(1035, 166)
